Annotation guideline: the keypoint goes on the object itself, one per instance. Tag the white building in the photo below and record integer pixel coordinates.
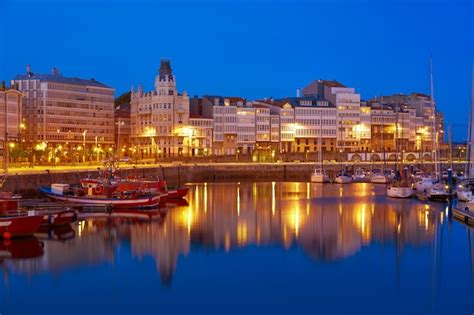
(160, 118)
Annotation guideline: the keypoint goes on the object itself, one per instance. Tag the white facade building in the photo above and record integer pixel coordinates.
(160, 118)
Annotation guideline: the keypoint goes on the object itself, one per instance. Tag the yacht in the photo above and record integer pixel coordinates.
(398, 189)
(343, 178)
(440, 192)
(319, 176)
(463, 193)
(379, 178)
(359, 174)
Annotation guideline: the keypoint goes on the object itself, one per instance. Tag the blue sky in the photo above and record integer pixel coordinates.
(250, 48)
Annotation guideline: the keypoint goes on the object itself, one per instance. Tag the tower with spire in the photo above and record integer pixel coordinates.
(160, 117)
(165, 83)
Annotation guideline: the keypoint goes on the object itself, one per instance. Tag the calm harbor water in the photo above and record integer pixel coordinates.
(276, 248)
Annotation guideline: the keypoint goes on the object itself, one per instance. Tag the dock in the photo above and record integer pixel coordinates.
(464, 215)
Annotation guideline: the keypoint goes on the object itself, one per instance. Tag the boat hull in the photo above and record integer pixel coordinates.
(399, 192)
(115, 203)
(379, 179)
(178, 192)
(20, 226)
(343, 180)
(319, 178)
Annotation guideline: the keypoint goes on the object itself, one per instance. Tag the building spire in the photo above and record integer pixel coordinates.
(165, 71)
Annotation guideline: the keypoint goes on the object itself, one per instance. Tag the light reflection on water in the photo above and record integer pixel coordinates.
(354, 225)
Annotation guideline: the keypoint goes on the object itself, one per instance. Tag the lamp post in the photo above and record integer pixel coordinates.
(119, 123)
(84, 145)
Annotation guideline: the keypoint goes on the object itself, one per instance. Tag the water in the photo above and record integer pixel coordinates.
(276, 248)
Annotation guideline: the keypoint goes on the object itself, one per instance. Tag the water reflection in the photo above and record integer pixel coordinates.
(327, 222)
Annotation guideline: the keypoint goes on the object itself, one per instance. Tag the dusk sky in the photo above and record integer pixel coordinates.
(250, 48)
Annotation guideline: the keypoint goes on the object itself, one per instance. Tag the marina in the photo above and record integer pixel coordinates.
(276, 235)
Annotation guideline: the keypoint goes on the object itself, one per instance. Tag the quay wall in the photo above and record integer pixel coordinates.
(175, 174)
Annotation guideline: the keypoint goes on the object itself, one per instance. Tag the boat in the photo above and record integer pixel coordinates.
(132, 183)
(424, 183)
(319, 176)
(102, 195)
(359, 175)
(400, 188)
(343, 178)
(19, 226)
(440, 192)
(463, 193)
(379, 178)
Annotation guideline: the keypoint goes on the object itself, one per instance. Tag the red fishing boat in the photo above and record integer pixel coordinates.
(19, 224)
(100, 194)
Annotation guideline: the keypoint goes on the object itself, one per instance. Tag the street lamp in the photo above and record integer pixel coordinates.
(119, 124)
(84, 145)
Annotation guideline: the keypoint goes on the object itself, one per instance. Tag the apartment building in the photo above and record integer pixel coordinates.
(67, 114)
(347, 103)
(11, 123)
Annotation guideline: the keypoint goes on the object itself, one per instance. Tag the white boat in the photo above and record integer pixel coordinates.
(319, 176)
(359, 174)
(397, 190)
(379, 178)
(343, 179)
(439, 192)
(424, 184)
(463, 193)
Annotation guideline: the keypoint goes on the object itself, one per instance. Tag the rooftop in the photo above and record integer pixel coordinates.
(57, 77)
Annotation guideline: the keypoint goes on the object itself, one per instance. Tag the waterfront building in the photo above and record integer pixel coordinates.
(347, 103)
(247, 133)
(200, 133)
(12, 125)
(160, 118)
(123, 131)
(223, 112)
(66, 116)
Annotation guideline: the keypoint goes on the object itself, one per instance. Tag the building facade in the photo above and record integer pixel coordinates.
(12, 125)
(160, 118)
(65, 116)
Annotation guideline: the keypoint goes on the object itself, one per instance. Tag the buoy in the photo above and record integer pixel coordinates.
(7, 235)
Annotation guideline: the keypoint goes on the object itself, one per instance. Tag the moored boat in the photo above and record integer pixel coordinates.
(343, 178)
(19, 226)
(319, 176)
(398, 190)
(379, 178)
(124, 199)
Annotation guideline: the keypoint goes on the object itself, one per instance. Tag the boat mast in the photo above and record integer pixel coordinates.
(5, 141)
(470, 137)
(384, 166)
(434, 124)
(321, 138)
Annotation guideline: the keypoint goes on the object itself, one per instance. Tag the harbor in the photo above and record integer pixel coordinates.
(294, 237)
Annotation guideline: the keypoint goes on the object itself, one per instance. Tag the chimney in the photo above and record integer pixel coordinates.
(55, 72)
(298, 93)
(28, 69)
